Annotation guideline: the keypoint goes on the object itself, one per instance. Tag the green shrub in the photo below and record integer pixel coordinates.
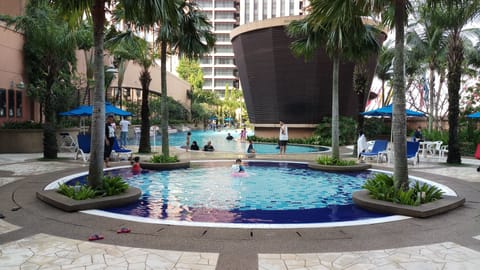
(328, 160)
(113, 185)
(163, 159)
(77, 192)
(347, 130)
(382, 187)
(22, 125)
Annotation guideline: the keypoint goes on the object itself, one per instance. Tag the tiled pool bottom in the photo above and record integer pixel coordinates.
(270, 193)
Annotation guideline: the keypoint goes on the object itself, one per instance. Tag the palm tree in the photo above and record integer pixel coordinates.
(338, 26)
(49, 52)
(150, 11)
(191, 37)
(384, 68)
(453, 16)
(429, 43)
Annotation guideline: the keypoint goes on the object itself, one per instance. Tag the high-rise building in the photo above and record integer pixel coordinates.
(218, 66)
(258, 10)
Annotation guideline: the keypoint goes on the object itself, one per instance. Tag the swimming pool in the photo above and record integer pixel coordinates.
(221, 144)
(270, 193)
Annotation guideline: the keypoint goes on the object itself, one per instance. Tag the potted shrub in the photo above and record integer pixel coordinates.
(113, 193)
(327, 163)
(162, 162)
(420, 200)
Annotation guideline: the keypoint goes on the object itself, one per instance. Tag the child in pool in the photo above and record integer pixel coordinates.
(238, 166)
(136, 165)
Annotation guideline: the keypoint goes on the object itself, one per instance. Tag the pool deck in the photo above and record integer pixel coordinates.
(34, 235)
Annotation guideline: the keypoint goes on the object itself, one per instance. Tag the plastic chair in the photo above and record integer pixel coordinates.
(118, 151)
(379, 148)
(83, 146)
(412, 152)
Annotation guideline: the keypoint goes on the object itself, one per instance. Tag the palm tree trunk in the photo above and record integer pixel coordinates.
(144, 146)
(399, 129)
(163, 69)
(455, 58)
(335, 110)
(431, 99)
(95, 176)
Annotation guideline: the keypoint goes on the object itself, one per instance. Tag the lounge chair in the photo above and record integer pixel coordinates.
(379, 148)
(119, 151)
(83, 146)
(412, 152)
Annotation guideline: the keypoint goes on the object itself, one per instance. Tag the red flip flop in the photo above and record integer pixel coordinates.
(95, 237)
(124, 230)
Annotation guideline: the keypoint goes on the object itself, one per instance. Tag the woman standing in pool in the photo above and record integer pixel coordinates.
(283, 138)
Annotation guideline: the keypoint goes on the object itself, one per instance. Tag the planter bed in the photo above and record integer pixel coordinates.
(447, 203)
(65, 203)
(334, 168)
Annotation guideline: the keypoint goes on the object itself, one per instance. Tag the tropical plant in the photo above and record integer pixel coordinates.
(188, 33)
(453, 16)
(339, 28)
(383, 187)
(113, 185)
(428, 40)
(131, 47)
(77, 192)
(149, 11)
(163, 159)
(327, 160)
(49, 54)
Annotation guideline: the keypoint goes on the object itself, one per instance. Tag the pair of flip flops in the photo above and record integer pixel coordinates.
(95, 237)
(124, 230)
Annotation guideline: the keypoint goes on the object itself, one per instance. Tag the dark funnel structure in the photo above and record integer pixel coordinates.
(279, 86)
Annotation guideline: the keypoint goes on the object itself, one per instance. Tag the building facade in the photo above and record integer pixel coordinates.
(219, 68)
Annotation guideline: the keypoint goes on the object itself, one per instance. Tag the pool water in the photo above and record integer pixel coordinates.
(220, 142)
(270, 192)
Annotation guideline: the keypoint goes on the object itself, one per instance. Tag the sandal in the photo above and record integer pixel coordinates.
(95, 237)
(124, 230)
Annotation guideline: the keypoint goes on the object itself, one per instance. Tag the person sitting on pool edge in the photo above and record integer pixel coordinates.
(229, 137)
(209, 147)
(194, 146)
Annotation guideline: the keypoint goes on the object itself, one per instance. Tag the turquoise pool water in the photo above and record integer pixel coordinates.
(270, 192)
(221, 144)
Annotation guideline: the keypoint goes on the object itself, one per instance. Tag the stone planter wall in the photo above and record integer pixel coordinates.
(26, 140)
(333, 168)
(165, 166)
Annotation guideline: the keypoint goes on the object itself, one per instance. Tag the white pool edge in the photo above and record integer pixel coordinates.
(53, 185)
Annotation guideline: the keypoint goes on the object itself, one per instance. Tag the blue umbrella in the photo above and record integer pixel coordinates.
(474, 115)
(387, 111)
(86, 110)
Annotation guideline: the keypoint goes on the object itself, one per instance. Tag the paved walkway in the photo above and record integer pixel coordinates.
(34, 235)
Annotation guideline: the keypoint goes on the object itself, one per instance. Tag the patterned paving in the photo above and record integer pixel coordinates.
(6, 227)
(445, 255)
(42, 251)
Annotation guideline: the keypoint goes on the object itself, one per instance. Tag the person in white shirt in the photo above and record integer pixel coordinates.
(362, 145)
(283, 138)
(124, 131)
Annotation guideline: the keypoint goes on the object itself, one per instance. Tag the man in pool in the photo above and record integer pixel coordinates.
(209, 147)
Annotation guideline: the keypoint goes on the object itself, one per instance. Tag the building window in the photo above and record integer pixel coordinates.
(19, 104)
(223, 37)
(224, 61)
(204, 4)
(11, 103)
(223, 26)
(3, 102)
(224, 4)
